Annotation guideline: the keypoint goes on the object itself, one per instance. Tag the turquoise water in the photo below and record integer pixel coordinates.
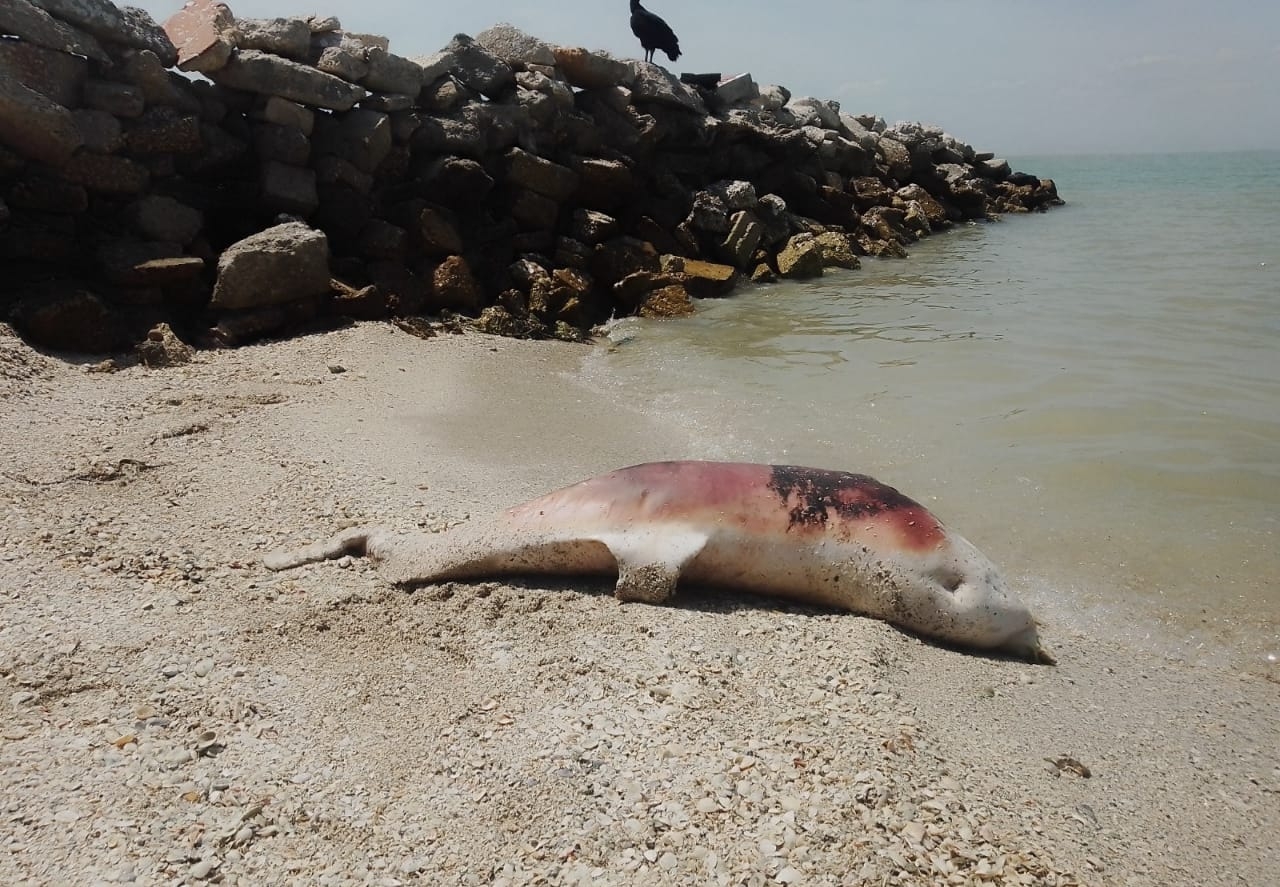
(1092, 395)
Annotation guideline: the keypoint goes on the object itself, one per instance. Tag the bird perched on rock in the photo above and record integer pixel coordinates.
(653, 32)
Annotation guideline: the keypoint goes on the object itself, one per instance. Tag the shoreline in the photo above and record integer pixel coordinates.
(174, 711)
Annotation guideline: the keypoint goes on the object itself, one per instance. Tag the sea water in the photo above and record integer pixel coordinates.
(1091, 395)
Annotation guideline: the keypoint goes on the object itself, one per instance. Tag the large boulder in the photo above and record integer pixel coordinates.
(515, 47)
(392, 73)
(260, 72)
(71, 317)
(281, 264)
(32, 24)
(654, 83)
(453, 286)
(592, 70)
(55, 75)
(538, 174)
(128, 25)
(801, 257)
(36, 125)
(164, 218)
(289, 37)
(477, 67)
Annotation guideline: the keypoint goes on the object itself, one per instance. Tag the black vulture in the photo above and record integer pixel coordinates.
(653, 32)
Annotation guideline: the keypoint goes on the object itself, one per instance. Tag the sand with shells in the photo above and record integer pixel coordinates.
(171, 712)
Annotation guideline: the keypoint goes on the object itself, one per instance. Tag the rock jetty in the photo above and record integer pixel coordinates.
(236, 178)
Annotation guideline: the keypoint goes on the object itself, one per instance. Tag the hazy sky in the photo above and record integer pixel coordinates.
(1017, 78)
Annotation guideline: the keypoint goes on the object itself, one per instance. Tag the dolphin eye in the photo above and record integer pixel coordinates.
(948, 578)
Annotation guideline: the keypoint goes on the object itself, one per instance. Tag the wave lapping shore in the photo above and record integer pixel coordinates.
(539, 188)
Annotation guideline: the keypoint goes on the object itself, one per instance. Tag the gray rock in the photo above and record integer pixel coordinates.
(289, 37)
(772, 98)
(379, 239)
(99, 17)
(815, 112)
(203, 33)
(35, 125)
(128, 25)
(145, 70)
(592, 70)
(140, 31)
(162, 131)
(773, 216)
(100, 131)
(404, 124)
(896, 157)
(448, 135)
(478, 68)
(259, 72)
(366, 41)
(107, 173)
(360, 136)
(435, 66)
(342, 62)
(853, 129)
(323, 25)
(654, 83)
(53, 74)
(331, 170)
(444, 96)
(709, 213)
(538, 107)
(605, 184)
(993, 168)
(439, 231)
(388, 102)
(591, 227)
(286, 144)
(163, 218)
(281, 264)
(538, 174)
(44, 193)
(533, 211)
(501, 124)
(560, 93)
(389, 72)
(120, 99)
(220, 149)
(68, 316)
(129, 262)
(514, 46)
(738, 91)
(736, 194)
(290, 189)
(744, 237)
(26, 20)
(286, 113)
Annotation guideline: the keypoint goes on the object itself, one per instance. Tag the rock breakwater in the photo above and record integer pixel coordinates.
(236, 178)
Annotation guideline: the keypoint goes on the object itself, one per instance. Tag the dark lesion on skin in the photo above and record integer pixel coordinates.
(819, 494)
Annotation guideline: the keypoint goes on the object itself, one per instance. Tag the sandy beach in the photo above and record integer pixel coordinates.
(173, 713)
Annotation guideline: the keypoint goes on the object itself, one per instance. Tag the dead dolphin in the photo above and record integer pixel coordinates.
(827, 537)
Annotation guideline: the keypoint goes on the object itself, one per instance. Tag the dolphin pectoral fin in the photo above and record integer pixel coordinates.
(650, 565)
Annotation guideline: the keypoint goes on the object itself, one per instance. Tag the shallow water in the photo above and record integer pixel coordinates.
(1091, 395)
